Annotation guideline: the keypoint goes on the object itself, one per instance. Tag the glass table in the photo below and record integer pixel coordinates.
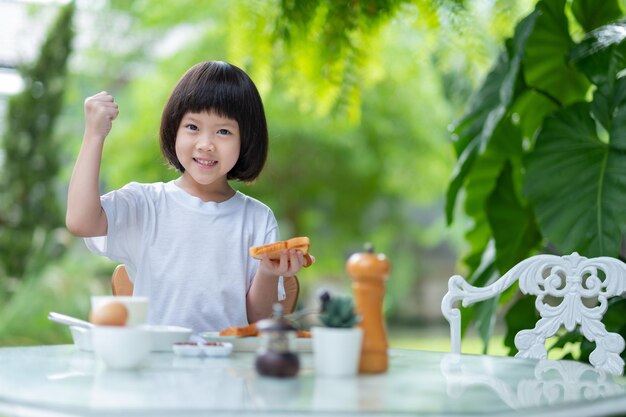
(64, 381)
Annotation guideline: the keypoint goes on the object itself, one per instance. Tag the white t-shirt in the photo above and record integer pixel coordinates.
(188, 256)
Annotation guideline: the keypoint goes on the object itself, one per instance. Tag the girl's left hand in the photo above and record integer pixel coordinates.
(291, 261)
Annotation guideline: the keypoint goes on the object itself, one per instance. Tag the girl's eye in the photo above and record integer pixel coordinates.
(191, 126)
(224, 132)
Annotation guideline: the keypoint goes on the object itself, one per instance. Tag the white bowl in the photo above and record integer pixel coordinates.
(163, 337)
(82, 338)
(121, 347)
(161, 340)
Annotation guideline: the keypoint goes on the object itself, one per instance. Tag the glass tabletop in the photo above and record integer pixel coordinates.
(61, 380)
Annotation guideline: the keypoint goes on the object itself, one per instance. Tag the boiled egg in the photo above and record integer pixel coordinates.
(109, 314)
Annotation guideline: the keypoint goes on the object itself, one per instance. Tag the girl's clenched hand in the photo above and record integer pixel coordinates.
(100, 111)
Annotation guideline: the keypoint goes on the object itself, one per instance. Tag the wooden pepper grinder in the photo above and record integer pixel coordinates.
(369, 271)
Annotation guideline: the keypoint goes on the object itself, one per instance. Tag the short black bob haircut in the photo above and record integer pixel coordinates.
(229, 92)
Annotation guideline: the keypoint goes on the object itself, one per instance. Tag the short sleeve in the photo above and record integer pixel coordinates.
(125, 210)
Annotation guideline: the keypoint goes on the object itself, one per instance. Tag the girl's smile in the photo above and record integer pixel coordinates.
(205, 163)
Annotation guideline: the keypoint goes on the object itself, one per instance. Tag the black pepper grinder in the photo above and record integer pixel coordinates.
(275, 356)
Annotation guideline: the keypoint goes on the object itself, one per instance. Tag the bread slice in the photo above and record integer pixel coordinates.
(274, 249)
(251, 330)
(241, 331)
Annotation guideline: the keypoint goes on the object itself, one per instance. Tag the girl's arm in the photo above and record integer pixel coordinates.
(263, 294)
(85, 216)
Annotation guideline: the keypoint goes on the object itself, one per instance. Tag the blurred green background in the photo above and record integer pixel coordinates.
(361, 97)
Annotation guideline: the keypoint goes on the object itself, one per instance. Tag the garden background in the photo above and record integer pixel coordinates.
(437, 130)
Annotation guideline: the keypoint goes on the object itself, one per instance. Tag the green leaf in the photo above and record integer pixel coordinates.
(514, 229)
(483, 275)
(609, 109)
(601, 55)
(485, 320)
(593, 13)
(577, 182)
(479, 185)
(531, 108)
(614, 317)
(522, 315)
(545, 66)
(487, 107)
(505, 145)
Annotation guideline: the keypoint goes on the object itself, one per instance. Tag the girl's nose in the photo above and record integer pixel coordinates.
(205, 144)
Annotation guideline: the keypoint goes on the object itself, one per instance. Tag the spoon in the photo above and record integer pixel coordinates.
(69, 320)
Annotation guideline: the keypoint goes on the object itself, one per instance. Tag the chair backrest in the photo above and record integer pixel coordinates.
(577, 285)
(292, 291)
(122, 285)
(120, 282)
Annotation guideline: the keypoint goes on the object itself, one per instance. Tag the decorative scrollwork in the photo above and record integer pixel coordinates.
(572, 291)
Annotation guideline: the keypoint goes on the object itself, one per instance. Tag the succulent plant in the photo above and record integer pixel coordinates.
(337, 311)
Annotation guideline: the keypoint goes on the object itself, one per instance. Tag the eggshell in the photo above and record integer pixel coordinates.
(109, 314)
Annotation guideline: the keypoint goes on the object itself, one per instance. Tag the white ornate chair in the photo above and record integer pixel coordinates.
(581, 285)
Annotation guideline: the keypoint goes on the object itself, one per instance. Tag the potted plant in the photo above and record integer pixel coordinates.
(337, 341)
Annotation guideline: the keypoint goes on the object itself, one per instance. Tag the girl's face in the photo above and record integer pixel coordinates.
(207, 146)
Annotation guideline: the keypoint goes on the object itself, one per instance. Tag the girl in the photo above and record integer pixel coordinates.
(185, 242)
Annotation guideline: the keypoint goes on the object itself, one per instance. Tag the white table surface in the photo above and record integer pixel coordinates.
(63, 381)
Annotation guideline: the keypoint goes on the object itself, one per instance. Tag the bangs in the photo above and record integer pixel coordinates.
(222, 92)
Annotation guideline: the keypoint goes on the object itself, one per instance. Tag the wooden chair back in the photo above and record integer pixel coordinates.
(292, 291)
(122, 285)
(120, 282)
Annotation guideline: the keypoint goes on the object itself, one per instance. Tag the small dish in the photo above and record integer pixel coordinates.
(252, 343)
(211, 349)
(187, 349)
(216, 349)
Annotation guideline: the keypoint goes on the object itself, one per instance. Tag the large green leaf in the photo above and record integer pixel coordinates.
(601, 55)
(593, 13)
(505, 145)
(513, 223)
(481, 181)
(609, 109)
(520, 316)
(482, 313)
(545, 66)
(530, 108)
(577, 182)
(488, 106)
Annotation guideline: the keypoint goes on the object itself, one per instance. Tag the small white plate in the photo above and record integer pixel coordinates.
(216, 349)
(210, 349)
(251, 344)
(188, 349)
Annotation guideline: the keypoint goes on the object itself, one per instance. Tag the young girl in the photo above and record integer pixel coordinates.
(185, 242)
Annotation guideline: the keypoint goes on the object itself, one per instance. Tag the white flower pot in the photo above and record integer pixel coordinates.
(336, 352)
